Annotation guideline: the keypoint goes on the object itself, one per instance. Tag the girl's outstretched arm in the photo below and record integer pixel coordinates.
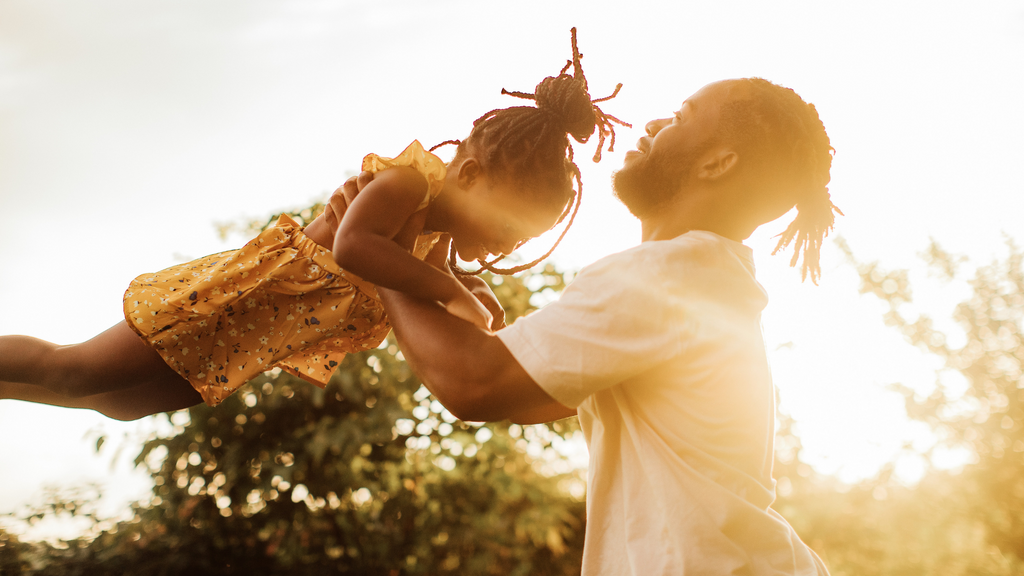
(366, 244)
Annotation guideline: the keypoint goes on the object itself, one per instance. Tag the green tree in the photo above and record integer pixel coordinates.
(371, 476)
(368, 476)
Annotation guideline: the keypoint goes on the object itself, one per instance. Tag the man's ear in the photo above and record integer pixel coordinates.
(469, 172)
(717, 164)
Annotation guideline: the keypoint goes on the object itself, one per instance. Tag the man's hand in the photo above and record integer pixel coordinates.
(354, 185)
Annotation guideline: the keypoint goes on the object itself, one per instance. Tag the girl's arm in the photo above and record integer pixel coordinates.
(365, 244)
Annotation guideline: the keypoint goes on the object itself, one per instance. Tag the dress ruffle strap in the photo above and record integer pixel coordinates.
(416, 156)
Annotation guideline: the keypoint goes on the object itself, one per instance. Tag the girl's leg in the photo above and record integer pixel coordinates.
(115, 373)
(129, 404)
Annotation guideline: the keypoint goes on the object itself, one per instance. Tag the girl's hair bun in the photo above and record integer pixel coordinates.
(529, 145)
(566, 99)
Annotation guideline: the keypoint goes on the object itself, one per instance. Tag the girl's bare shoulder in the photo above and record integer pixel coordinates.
(403, 181)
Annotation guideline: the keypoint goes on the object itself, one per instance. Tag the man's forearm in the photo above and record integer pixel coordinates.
(470, 371)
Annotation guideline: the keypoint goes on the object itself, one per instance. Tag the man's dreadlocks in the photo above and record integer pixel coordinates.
(787, 132)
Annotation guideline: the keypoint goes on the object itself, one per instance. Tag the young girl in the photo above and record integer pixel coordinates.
(300, 299)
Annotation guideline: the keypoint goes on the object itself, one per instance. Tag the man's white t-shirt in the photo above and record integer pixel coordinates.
(660, 350)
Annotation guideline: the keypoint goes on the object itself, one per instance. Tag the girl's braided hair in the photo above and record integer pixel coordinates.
(789, 134)
(529, 147)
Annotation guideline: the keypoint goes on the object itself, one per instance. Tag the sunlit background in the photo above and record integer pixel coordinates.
(129, 129)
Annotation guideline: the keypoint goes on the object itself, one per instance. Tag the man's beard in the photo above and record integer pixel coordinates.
(650, 183)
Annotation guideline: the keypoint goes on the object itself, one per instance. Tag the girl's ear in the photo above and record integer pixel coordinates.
(469, 172)
(718, 164)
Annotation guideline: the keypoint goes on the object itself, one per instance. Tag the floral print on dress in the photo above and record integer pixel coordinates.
(279, 301)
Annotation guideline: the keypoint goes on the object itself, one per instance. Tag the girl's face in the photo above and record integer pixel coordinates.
(492, 219)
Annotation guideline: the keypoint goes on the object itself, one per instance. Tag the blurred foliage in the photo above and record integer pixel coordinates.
(368, 476)
(371, 476)
(960, 522)
(254, 226)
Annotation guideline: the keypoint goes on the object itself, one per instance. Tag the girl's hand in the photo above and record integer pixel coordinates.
(438, 258)
(466, 306)
(485, 295)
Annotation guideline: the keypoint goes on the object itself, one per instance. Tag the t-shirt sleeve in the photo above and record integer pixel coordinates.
(614, 321)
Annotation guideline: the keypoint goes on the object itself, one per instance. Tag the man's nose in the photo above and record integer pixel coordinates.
(655, 126)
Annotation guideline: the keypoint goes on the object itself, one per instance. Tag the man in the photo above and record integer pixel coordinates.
(658, 349)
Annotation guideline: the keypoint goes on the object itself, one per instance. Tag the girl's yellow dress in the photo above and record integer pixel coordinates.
(279, 301)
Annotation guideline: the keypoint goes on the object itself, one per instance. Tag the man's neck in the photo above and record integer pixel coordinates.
(652, 230)
(693, 212)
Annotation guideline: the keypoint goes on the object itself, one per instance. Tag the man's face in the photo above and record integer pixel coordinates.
(665, 160)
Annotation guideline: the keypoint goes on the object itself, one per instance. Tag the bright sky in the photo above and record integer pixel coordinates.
(130, 128)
